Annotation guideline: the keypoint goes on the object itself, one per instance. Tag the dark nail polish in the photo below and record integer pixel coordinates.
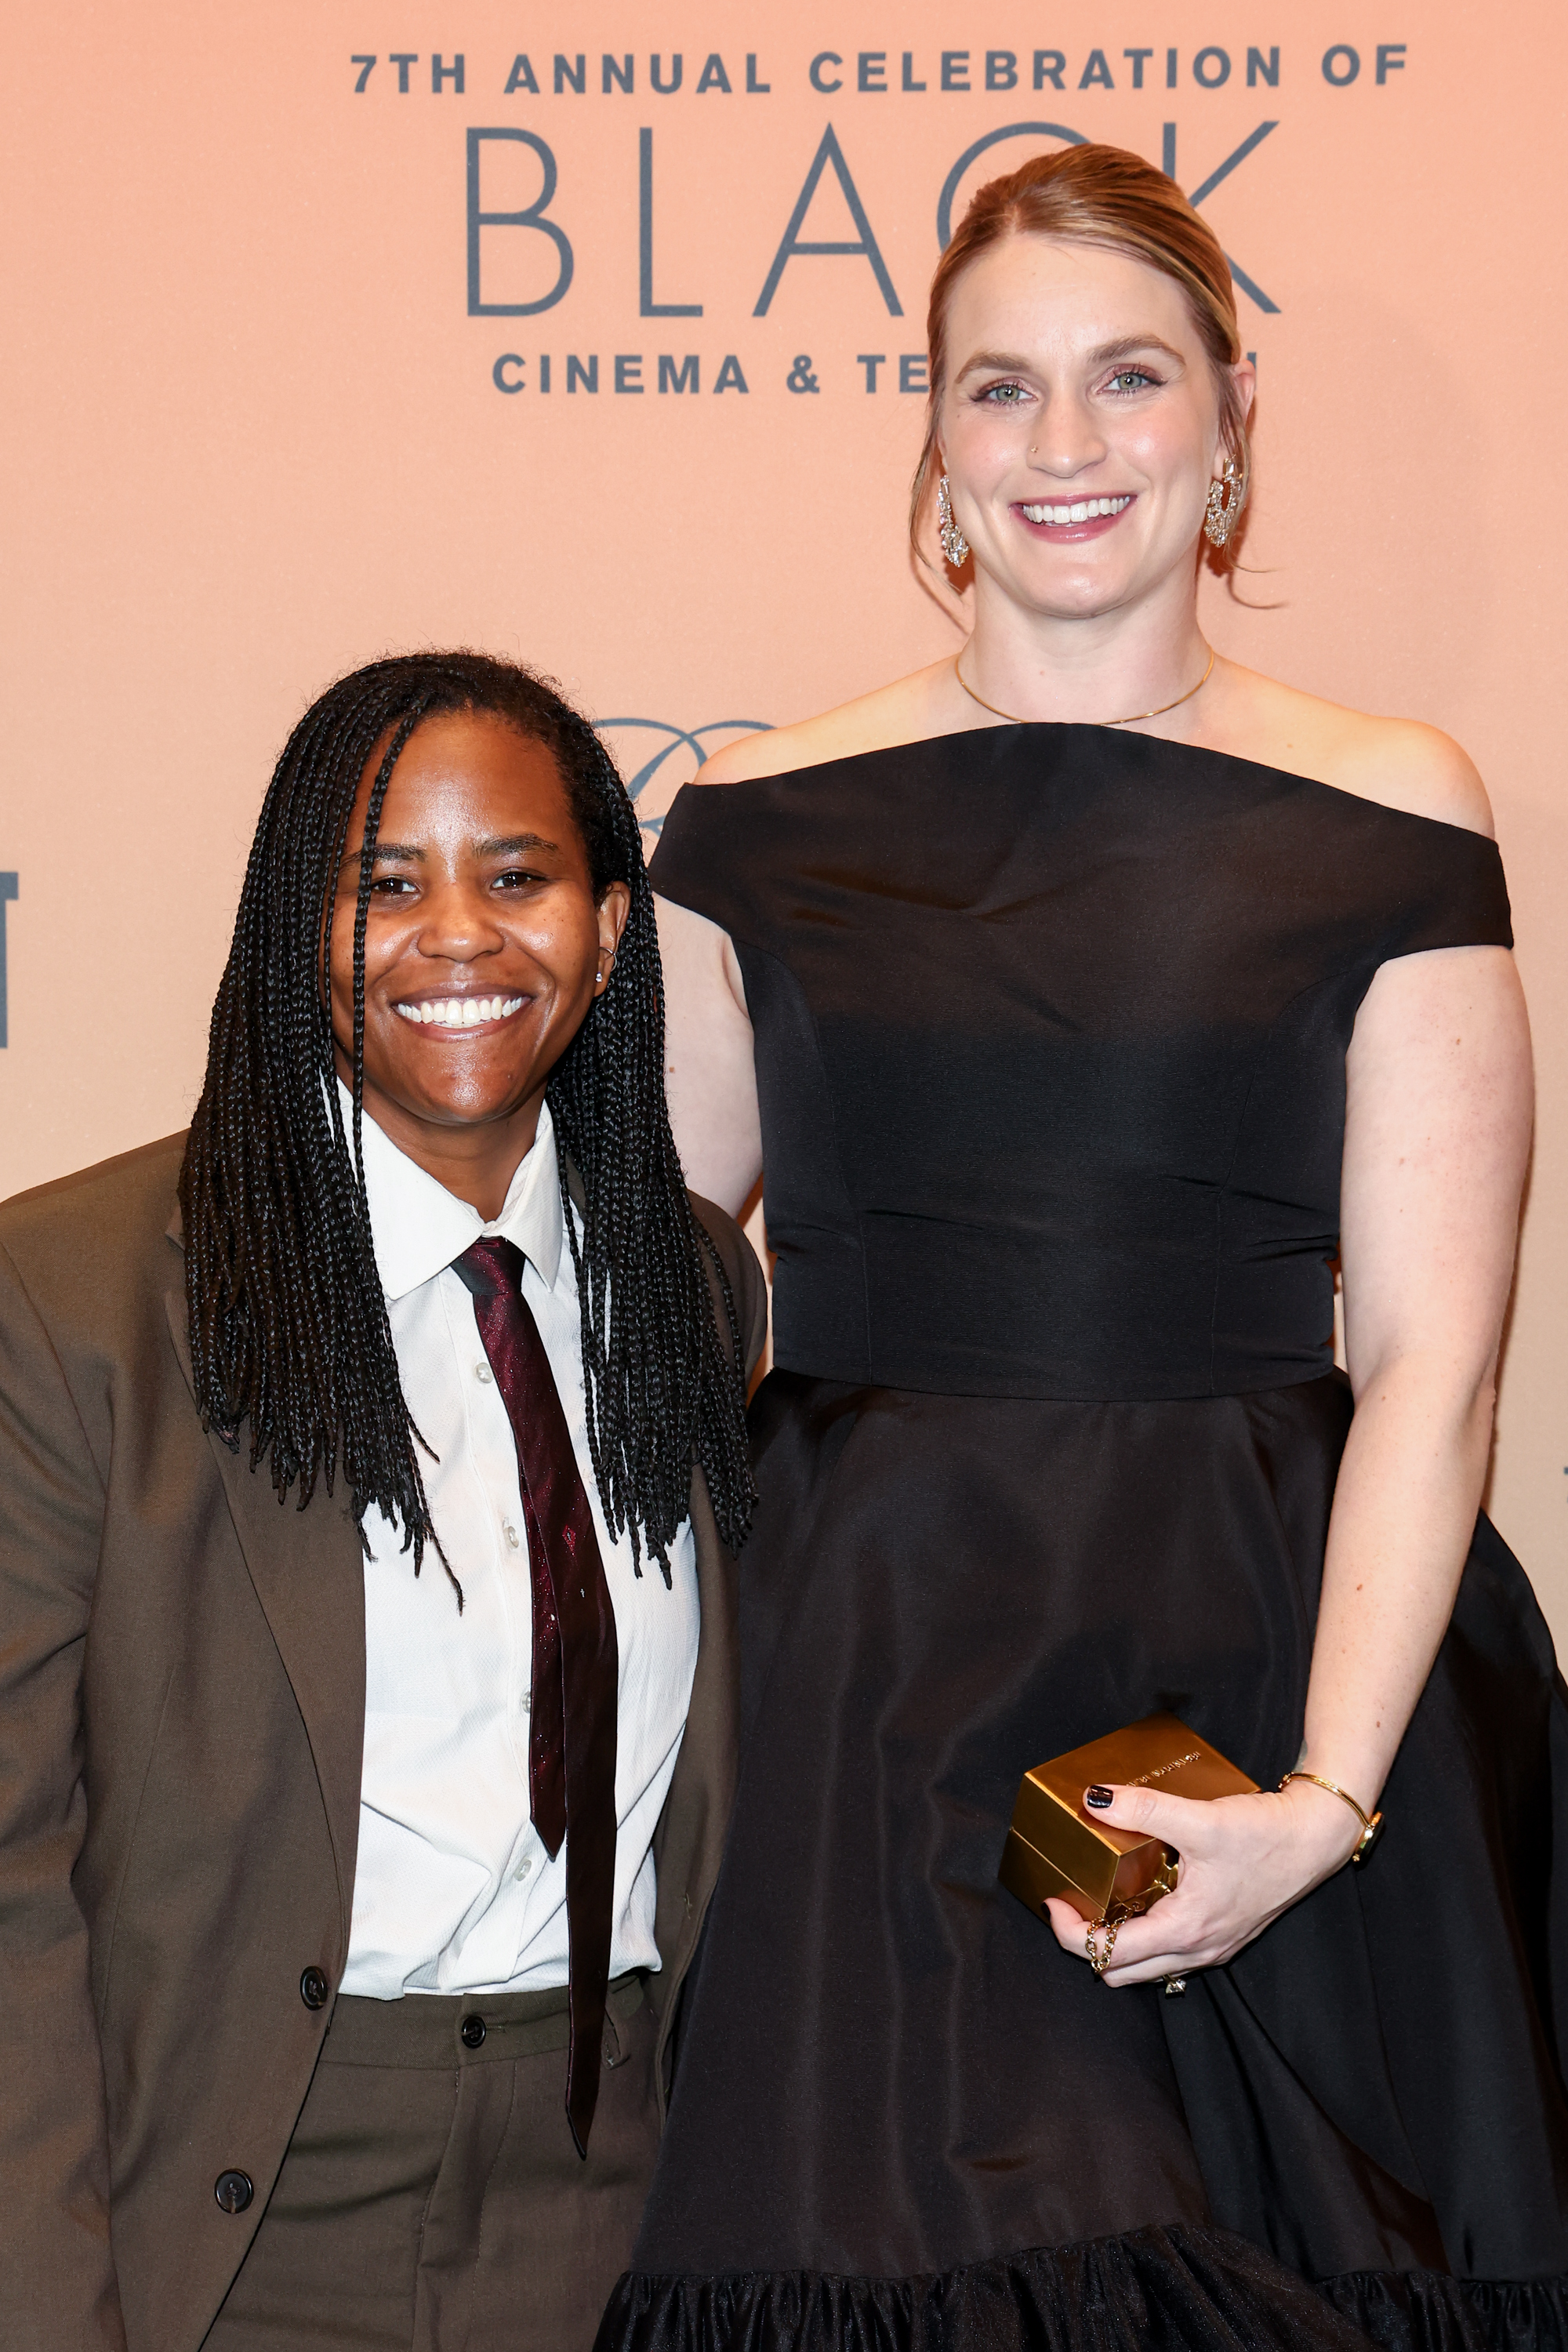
(1100, 1797)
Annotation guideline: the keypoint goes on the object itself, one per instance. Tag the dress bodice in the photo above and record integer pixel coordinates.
(1051, 1027)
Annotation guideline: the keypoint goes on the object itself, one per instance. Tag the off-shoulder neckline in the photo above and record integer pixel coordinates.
(1024, 727)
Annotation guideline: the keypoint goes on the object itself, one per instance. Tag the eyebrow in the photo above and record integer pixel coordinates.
(1011, 364)
(512, 845)
(394, 849)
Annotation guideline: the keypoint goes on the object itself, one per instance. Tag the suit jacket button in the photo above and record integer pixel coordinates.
(234, 2190)
(314, 1989)
(472, 2031)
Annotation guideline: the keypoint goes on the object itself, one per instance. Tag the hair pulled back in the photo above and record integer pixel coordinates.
(287, 1323)
(1092, 195)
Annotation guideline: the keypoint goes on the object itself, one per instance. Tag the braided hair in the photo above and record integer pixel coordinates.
(287, 1322)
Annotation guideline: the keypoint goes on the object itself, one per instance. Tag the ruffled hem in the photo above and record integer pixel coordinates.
(1156, 2290)
(1421, 2311)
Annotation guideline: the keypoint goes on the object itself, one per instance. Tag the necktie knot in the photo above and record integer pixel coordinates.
(492, 1268)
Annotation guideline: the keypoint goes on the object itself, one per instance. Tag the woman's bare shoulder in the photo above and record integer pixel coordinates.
(900, 713)
(1402, 763)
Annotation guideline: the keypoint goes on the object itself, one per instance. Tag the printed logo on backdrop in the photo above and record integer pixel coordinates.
(649, 767)
(520, 260)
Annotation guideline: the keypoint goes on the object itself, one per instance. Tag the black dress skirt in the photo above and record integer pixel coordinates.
(1051, 1027)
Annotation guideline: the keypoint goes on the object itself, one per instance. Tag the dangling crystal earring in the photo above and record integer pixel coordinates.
(954, 546)
(1224, 509)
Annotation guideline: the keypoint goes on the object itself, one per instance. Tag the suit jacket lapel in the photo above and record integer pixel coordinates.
(307, 1572)
(689, 1843)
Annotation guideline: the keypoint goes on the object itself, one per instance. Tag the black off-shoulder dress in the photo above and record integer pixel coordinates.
(1051, 1027)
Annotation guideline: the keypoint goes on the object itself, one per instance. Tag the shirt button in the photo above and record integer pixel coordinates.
(483, 1373)
(522, 1869)
(511, 1535)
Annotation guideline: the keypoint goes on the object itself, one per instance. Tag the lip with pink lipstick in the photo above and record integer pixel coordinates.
(1066, 521)
(461, 1013)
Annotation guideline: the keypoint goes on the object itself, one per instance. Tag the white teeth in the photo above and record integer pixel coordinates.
(1079, 510)
(460, 1012)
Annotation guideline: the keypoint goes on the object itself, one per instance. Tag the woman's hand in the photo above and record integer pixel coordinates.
(1243, 1861)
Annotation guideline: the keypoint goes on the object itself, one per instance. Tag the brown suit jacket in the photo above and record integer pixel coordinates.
(182, 1716)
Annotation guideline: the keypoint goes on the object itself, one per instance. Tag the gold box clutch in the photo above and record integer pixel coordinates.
(1056, 1848)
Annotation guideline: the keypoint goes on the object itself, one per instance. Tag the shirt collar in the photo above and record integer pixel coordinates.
(418, 1228)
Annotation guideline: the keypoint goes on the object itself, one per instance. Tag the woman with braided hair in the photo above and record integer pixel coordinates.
(372, 1459)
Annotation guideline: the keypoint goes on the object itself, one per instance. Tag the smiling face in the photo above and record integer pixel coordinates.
(1080, 425)
(482, 944)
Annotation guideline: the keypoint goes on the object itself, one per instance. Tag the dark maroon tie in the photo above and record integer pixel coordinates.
(577, 1664)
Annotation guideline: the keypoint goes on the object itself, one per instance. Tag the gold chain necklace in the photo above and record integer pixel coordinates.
(1013, 720)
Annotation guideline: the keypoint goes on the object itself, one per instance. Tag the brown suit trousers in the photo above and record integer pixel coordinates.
(432, 2199)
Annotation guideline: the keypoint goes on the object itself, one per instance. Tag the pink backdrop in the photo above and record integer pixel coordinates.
(255, 434)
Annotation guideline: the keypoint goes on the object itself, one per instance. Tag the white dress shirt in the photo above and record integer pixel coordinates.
(453, 1891)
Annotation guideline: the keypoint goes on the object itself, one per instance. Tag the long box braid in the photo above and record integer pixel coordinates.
(288, 1328)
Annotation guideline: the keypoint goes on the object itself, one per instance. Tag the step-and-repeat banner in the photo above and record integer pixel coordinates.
(595, 334)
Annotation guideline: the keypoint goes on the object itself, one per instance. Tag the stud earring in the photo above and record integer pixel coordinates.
(1225, 503)
(954, 546)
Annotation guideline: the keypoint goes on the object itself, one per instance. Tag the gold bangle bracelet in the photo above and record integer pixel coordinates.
(1370, 1822)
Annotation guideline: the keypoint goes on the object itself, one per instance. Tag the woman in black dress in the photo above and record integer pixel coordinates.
(1085, 997)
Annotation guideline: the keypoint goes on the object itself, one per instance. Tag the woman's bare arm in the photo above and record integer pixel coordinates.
(711, 1079)
(1436, 1135)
